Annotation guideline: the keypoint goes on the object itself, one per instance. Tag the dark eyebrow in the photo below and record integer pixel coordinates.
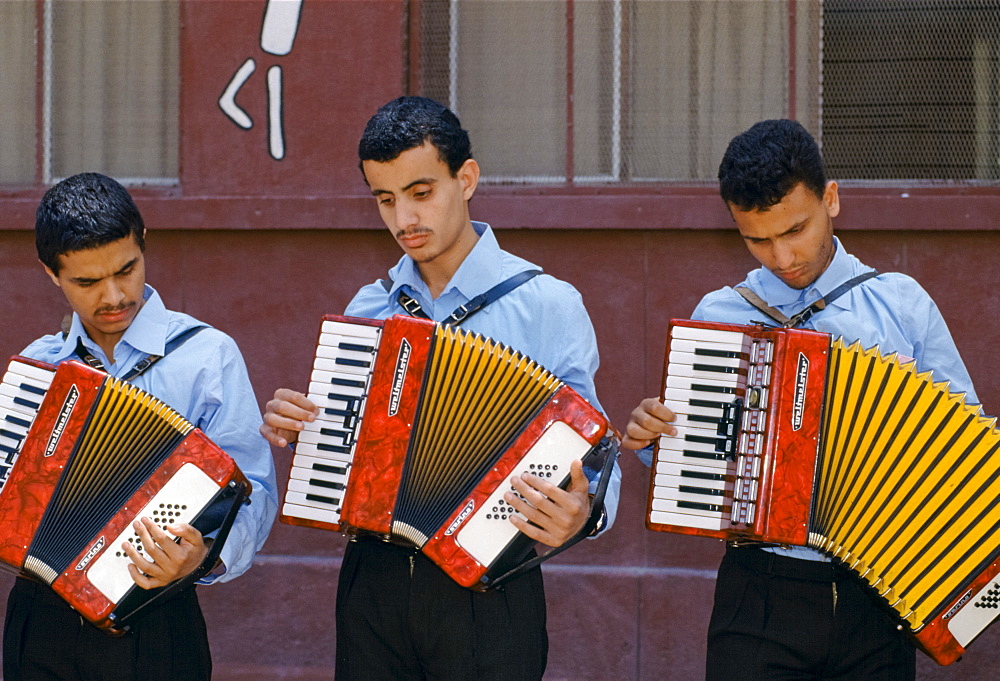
(124, 268)
(422, 180)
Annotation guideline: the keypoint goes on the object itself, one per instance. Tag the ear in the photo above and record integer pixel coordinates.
(52, 275)
(831, 199)
(468, 175)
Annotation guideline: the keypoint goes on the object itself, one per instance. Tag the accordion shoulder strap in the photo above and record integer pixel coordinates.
(463, 312)
(145, 362)
(802, 316)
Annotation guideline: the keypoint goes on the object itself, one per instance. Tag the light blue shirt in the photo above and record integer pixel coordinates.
(206, 381)
(544, 318)
(890, 311)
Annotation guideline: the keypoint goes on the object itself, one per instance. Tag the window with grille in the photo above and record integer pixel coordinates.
(631, 91)
(89, 86)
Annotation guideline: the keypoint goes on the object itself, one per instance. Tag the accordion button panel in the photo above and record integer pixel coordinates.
(179, 501)
(339, 387)
(487, 533)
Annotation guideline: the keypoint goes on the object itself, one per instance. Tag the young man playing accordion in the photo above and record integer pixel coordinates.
(399, 616)
(785, 613)
(91, 240)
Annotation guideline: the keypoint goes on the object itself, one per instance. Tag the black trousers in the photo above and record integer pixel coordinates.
(401, 618)
(46, 640)
(779, 618)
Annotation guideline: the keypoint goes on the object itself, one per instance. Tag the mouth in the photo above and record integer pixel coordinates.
(412, 240)
(118, 314)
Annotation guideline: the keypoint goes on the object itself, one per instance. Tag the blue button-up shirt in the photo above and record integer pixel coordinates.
(890, 311)
(206, 381)
(544, 318)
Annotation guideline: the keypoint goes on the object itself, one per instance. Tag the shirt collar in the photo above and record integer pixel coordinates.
(147, 333)
(478, 272)
(840, 269)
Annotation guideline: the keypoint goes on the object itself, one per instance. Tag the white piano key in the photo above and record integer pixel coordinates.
(686, 520)
(7, 402)
(691, 495)
(352, 330)
(691, 358)
(686, 345)
(710, 335)
(331, 491)
(301, 499)
(676, 507)
(348, 371)
(702, 459)
(687, 396)
(689, 371)
(307, 461)
(314, 449)
(322, 515)
(697, 475)
(328, 379)
(683, 406)
(694, 439)
(31, 371)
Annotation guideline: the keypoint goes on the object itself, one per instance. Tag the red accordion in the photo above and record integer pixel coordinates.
(86, 456)
(786, 436)
(421, 428)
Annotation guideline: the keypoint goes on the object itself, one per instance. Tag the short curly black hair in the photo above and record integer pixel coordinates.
(406, 123)
(84, 211)
(767, 161)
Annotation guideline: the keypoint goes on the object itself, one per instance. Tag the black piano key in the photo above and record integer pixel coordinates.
(7, 451)
(701, 475)
(718, 369)
(711, 352)
(315, 482)
(346, 436)
(354, 347)
(347, 382)
(687, 489)
(704, 455)
(324, 500)
(324, 468)
(11, 434)
(333, 448)
(32, 389)
(698, 418)
(694, 505)
(344, 361)
(703, 439)
(24, 423)
(713, 389)
(708, 403)
(26, 403)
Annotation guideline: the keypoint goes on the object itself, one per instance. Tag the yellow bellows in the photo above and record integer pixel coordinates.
(908, 487)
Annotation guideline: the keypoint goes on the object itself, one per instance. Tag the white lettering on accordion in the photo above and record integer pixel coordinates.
(71, 397)
(402, 362)
(466, 512)
(94, 550)
(958, 606)
(798, 405)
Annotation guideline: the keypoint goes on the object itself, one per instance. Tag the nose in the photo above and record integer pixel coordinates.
(112, 292)
(783, 255)
(406, 216)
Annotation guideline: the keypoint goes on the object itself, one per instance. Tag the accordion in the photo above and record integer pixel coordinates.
(421, 427)
(84, 456)
(786, 437)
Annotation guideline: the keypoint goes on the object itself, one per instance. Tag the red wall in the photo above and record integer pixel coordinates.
(262, 248)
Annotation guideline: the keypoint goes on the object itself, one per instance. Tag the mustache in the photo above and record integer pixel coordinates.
(111, 309)
(409, 232)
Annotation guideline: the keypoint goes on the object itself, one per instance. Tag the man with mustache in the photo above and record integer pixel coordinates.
(788, 612)
(399, 617)
(90, 239)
